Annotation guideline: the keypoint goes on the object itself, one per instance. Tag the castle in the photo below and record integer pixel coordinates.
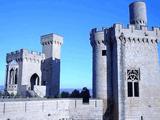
(126, 75)
(126, 71)
(35, 74)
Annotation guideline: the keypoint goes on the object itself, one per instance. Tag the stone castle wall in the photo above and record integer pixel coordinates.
(54, 109)
(138, 50)
(26, 55)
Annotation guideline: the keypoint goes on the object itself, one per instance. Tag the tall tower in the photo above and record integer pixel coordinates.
(51, 47)
(138, 14)
(99, 64)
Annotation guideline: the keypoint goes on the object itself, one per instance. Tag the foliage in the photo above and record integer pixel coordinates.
(65, 94)
(75, 94)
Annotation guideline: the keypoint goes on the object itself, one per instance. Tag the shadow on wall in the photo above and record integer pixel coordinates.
(159, 52)
(51, 76)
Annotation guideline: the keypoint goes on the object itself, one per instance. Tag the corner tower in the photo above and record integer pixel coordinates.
(101, 63)
(97, 39)
(51, 47)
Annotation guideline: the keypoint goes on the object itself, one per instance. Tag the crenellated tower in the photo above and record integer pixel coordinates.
(126, 71)
(51, 47)
(101, 65)
(97, 40)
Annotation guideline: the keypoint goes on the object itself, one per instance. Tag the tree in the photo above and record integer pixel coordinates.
(85, 95)
(65, 94)
(75, 94)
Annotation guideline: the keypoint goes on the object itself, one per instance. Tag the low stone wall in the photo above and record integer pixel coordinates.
(51, 109)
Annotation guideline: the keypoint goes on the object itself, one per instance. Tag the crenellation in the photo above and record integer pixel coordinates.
(131, 28)
(50, 39)
(143, 32)
(97, 37)
(144, 28)
(24, 54)
(100, 29)
(118, 27)
(96, 30)
(139, 40)
(24, 51)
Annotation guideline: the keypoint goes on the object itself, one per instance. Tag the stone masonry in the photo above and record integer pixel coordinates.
(54, 109)
(130, 81)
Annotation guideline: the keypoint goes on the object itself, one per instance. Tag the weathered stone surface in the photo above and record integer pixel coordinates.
(56, 109)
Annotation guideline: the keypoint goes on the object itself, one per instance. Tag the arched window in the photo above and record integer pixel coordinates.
(16, 75)
(11, 76)
(133, 77)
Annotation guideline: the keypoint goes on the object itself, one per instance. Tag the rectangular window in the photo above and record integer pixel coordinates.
(130, 89)
(103, 52)
(136, 89)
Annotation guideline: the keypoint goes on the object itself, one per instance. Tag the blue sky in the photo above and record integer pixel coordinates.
(22, 22)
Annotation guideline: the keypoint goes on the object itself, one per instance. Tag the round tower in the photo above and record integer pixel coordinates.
(99, 65)
(138, 14)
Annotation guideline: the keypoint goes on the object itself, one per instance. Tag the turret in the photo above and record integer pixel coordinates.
(99, 70)
(138, 14)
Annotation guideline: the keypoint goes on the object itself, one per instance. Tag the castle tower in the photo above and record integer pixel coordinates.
(138, 14)
(126, 68)
(137, 77)
(51, 47)
(99, 64)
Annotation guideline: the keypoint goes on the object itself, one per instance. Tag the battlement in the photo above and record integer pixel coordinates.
(51, 38)
(21, 54)
(95, 30)
(33, 53)
(132, 27)
(97, 36)
(24, 51)
(17, 52)
(142, 32)
(142, 35)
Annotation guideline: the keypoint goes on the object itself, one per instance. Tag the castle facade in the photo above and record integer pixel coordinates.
(126, 75)
(126, 70)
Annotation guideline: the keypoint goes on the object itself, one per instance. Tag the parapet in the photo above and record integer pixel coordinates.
(25, 51)
(152, 32)
(19, 55)
(51, 38)
(33, 53)
(142, 35)
(97, 36)
(95, 30)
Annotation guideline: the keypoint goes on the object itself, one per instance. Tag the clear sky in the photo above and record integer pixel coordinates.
(22, 22)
